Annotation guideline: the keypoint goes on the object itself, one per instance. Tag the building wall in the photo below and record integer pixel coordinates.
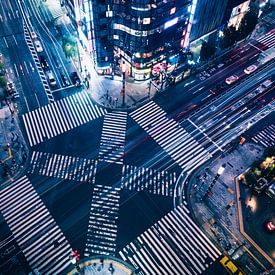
(146, 32)
(209, 16)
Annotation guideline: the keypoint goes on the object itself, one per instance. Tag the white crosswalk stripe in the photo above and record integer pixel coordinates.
(102, 228)
(268, 39)
(61, 116)
(113, 137)
(173, 138)
(174, 245)
(65, 167)
(40, 71)
(37, 234)
(150, 180)
(266, 137)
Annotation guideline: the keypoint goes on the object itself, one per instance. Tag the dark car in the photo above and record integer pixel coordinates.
(43, 62)
(65, 81)
(75, 79)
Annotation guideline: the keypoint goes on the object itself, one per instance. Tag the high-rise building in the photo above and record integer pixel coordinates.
(143, 33)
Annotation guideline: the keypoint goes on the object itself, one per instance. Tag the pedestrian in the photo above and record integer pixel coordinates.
(107, 94)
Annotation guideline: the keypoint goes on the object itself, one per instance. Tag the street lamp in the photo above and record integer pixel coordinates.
(123, 69)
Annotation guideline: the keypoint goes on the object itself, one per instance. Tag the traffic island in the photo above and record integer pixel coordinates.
(217, 203)
(100, 265)
(255, 211)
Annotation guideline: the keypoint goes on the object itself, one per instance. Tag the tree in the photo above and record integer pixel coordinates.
(207, 51)
(69, 46)
(3, 82)
(230, 35)
(250, 179)
(248, 23)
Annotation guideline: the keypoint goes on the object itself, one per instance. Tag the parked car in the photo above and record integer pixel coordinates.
(250, 69)
(75, 79)
(270, 191)
(43, 62)
(38, 46)
(65, 81)
(231, 79)
(51, 78)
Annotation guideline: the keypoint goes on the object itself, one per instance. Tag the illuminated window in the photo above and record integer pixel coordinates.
(173, 10)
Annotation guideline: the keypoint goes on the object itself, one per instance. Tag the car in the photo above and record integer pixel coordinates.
(231, 79)
(51, 78)
(267, 83)
(75, 79)
(10, 86)
(38, 46)
(15, 95)
(220, 65)
(270, 191)
(270, 226)
(250, 69)
(33, 35)
(65, 81)
(43, 62)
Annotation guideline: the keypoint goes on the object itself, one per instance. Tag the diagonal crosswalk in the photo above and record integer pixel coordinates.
(174, 139)
(150, 180)
(268, 39)
(102, 228)
(266, 137)
(64, 167)
(37, 234)
(174, 245)
(113, 137)
(59, 117)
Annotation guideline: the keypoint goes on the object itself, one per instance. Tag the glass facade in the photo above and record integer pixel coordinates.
(141, 32)
(147, 32)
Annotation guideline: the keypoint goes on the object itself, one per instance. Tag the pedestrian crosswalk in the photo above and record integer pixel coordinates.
(64, 167)
(269, 19)
(102, 227)
(61, 116)
(113, 137)
(37, 234)
(173, 138)
(150, 180)
(174, 245)
(40, 71)
(268, 39)
(266, 137)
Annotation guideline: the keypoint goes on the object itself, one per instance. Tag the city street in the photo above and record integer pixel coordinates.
(105, 181)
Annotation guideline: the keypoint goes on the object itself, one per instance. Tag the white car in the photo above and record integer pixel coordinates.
(250, 69)
(33, 35)
(231, 79)
(38, 46)
(51, 78)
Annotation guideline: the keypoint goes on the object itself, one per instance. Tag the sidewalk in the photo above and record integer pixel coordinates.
(104, 90)
(13, 151)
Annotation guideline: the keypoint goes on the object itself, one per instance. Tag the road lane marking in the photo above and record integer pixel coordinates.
(209, 138)
(256, 47)
(27, 104)
(17, 74)
(6, 43)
